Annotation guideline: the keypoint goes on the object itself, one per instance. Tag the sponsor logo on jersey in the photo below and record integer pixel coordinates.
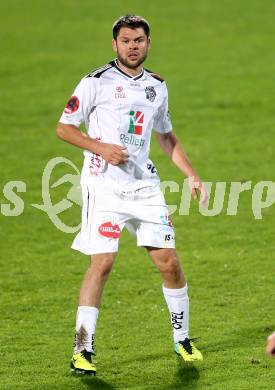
(109, 230)
(72, 105)
(136, 122)
(135, 129)
(119, 93)
(150, 93)
(131, 140)
(166, 220)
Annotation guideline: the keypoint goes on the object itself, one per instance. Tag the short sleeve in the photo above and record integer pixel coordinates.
(80, 104)
(162, 121)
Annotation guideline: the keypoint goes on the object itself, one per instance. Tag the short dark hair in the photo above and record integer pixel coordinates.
(130, 21)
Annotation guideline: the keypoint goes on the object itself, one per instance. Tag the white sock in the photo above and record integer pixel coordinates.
(178, 304)
(86, 319)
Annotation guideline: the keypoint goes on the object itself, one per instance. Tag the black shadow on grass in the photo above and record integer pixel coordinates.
(186, 377)
(93, 382)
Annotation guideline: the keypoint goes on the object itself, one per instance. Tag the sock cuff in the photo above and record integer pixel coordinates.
(175, 292)
(87, 309)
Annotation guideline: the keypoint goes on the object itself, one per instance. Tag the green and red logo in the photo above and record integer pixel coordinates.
(136, 122)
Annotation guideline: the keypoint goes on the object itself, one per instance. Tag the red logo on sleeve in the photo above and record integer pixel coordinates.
(72, 105)
(107, 229)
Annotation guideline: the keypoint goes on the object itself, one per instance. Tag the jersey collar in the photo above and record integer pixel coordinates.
(115, 64)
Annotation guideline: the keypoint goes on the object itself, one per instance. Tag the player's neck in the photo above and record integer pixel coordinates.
(130, 71)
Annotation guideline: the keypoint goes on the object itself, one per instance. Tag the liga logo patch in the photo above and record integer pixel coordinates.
(136, 122)
(109, 230)
(72, 105)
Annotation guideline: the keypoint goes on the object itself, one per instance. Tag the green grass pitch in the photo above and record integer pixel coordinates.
(218, 58)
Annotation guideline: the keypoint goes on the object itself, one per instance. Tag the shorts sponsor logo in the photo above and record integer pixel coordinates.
(177, 319)
(166, 220)
(72, 105)
(109, 230)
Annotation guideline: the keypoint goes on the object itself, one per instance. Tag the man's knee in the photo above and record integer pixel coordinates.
(168, 262)
(102, 264)
(172, 265)
(172, 271)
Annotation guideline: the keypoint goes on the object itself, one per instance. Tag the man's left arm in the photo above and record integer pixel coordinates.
(173, 148)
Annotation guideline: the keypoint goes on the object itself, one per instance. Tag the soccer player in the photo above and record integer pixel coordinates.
(120, 103)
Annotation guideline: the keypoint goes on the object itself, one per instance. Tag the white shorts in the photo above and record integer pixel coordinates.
(106, 211)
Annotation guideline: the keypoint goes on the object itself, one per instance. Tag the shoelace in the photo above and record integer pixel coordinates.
(87, 355)
(187, 345)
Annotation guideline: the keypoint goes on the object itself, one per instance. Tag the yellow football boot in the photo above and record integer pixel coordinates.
(188, 351)
(81, 363)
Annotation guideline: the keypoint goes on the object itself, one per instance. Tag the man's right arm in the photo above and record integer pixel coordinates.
(112, 154)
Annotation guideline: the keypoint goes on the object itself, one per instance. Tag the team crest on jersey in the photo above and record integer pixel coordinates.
(150, 93)
(72, 105)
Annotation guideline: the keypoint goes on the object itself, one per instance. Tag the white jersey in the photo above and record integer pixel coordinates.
(119, 109)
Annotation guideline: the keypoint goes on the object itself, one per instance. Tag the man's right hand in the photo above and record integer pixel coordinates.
(113, 154)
